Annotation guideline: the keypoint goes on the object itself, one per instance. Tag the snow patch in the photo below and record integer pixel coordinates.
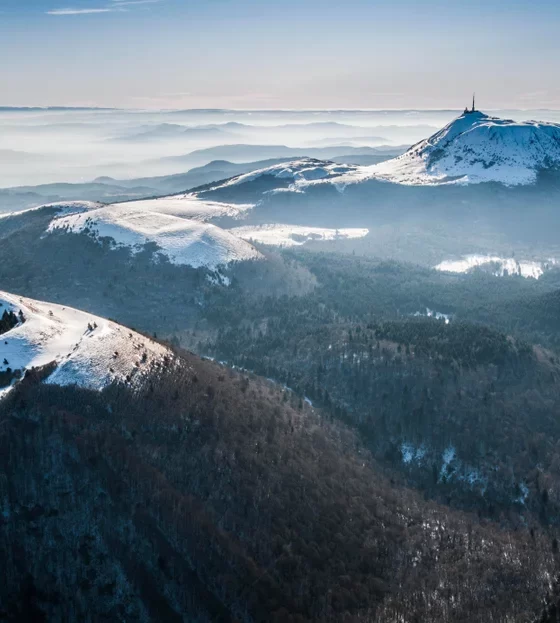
(430, 313)
(294, 235)
(448, 457)
(501, 266)
(218, 279)
(412, 454)
(523, 494)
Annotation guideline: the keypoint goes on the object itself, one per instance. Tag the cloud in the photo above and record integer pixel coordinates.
(117, 6)
(77, 11)
(129, 2)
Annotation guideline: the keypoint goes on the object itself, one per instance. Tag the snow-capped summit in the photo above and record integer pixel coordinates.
(473, 148)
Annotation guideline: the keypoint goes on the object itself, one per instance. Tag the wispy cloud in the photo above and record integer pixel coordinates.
(70, 11)
(116, 6)
(119, 3)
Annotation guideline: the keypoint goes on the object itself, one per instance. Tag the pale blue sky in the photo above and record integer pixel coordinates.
(290, 54)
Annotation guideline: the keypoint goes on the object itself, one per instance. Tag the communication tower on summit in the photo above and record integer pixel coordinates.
(473, 109)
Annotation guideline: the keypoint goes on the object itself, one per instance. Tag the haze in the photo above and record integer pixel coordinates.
(43, 146)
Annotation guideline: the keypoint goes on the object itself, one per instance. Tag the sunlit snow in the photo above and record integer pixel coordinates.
(430, 313)
(473, 148)
(62, 208)
(297, 171)
(411, 453)
(499, 266)
(182, 241)
(294, 235)
(189, 205)
(89, 351)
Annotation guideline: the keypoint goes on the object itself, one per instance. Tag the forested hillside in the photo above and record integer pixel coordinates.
(403, 457)
(213, 495)
(463, 412)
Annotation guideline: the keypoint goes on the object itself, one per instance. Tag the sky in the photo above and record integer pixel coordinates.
(264, 54)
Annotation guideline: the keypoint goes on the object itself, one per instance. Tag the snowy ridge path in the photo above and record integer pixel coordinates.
(89, 351)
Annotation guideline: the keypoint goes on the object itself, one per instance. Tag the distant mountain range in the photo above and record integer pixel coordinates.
(305, 132)
(172, 131)
(246, 153)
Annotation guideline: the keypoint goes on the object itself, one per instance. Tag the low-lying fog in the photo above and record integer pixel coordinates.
(41, 146)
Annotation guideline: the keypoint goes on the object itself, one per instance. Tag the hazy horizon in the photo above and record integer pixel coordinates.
(42, 145)
(61, 107)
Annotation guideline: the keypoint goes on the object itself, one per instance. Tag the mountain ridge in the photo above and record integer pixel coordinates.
(79, 348)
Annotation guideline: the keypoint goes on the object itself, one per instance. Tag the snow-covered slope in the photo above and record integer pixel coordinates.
(72, 207)
(296, 171)
(499, 266)
(294, 235)
(189, 205)
(473, 148)
(89, 351)
(289, 176)
(62, 208)
(182, 240)
(195, 205)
